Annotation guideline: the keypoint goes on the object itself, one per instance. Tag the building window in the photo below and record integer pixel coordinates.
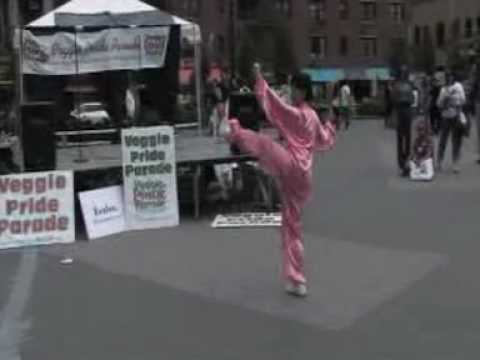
(369, 10)
(284, 7)
(34, 5)
(221, 6)
(246, 9)
(440, 34)
(417, 36)
(343, 9)
(397, 12)
(369, 46)
(468, 28)
(190, 8)
(456, 29)
(343, 46)
(318, 47)
(221, 44)
(318, 10)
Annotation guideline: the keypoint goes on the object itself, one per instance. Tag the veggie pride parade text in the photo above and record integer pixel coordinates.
(32, 213)
(149, 192)
(144, 154)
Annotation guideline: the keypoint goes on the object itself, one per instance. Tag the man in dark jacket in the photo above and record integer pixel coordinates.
(403, 99)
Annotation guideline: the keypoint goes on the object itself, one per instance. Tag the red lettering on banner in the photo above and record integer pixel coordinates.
(37, 225)
(37, 185)
(12, 205)
(16, 185)
(3, 226)
(32, 206)
(53, 205)
(61, 182)
(16, 227)
(4, 184)
(26, 226)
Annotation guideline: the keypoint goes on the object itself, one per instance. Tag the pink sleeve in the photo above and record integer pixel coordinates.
(286, 118)
(326, 137)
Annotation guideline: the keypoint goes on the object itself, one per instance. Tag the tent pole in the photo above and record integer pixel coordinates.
(20, 67)
(81, 157)
(198, 80)
(19, 95)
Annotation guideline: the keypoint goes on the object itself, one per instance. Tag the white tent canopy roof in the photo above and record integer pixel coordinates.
(190, 31)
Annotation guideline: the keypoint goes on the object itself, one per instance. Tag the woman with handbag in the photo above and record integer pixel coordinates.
(454, 122)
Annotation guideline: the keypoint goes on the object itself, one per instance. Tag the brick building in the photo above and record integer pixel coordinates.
(344, 38)
(445, 24)
(331, 39)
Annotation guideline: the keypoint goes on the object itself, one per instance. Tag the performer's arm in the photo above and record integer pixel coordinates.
(326, 136)
(285, 117)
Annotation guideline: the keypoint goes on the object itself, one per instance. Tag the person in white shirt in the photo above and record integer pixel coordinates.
(345, 105)
(450, 101)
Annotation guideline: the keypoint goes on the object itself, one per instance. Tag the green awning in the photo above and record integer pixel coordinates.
(379, 73)
(325, 74)
(352, 73)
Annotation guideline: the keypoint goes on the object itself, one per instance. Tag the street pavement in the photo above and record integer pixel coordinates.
(392, 267)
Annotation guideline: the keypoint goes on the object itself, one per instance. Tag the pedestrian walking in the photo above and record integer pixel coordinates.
(291, 165)
(404, 98)
(388, 104)
(476, 101)
(336, 106)
(434, 112)
(345, 105)
(451, 101)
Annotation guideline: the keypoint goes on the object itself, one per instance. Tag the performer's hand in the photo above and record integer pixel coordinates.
(257, 70)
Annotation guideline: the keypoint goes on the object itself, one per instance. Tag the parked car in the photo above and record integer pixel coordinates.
(91, 114)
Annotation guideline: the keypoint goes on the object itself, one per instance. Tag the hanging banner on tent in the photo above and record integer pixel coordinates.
(36, 209)
(150, 177)
(65, 53)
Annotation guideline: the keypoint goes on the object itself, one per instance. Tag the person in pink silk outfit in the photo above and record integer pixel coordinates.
(291, 165)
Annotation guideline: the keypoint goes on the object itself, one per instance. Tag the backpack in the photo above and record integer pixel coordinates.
(404, 94)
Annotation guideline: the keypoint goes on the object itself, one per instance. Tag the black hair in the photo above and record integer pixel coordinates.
(303, 82)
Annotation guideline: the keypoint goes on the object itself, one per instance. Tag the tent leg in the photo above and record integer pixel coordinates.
(198, 87)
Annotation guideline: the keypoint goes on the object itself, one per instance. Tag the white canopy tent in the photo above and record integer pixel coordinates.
(190, 31)
(130, 13)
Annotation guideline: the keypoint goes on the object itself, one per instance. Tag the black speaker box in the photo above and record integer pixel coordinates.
(246, 109)
(38, 137)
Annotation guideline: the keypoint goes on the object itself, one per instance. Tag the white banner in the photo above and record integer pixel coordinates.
(67, 53)
(36, 209)
(150, 177)
(103, 211)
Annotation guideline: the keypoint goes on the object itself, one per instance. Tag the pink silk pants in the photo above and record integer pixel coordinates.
(295, 188)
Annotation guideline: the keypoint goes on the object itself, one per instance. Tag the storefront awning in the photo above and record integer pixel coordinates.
(352, 73)
(325, 74)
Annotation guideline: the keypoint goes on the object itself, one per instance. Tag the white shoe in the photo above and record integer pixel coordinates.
(299, 290)
(456, 169)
